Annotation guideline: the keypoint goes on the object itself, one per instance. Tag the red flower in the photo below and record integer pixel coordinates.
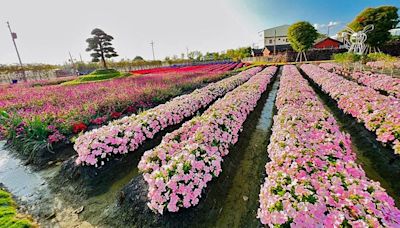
(78, 127)
(130, 109)
(115, 115)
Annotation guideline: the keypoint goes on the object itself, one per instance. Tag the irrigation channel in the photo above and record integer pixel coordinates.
(230, 200)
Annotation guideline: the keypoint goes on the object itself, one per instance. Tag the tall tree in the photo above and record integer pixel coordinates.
(301, 36)
(383, 18)
(101, 47)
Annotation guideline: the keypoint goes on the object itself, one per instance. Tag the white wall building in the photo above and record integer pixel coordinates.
(275, 36)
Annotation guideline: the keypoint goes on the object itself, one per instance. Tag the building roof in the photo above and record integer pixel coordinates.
(280, 31)
(317, 41)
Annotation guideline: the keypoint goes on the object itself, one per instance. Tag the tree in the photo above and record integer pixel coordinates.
(101, 47)
(383, 18)
(138, 58)
(301, 36)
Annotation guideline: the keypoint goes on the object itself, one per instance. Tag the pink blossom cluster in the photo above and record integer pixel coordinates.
(376, 64)
(382, 64)
(127, 134)
(179, 169)
(381, 82)
(312, 178)
(331, 66)
(379, 113)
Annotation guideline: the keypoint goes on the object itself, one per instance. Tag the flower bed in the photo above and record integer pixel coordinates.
(49, 114)
(127, 134)
(186, 69)
(330, 66)
(179, 169)
(383, 64)
(313, 179)
(379, 113)
(379, 82)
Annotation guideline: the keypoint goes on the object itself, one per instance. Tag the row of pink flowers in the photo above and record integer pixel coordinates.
(379, 113)
(127, 134)
(312, 178)
(331, 66)
(178, 170)
(380, 82)
(382, 64)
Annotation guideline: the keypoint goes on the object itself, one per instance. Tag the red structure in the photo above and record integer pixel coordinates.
(327, 43)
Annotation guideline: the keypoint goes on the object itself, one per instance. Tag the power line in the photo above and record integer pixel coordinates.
(14, 37)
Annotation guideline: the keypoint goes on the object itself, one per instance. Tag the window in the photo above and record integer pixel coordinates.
(270, 41)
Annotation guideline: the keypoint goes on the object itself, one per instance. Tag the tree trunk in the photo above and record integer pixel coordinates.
(103, 60)
(102, 56)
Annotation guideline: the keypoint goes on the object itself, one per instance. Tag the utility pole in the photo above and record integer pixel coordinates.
(13, 37)
(73, 64)
(152, 48)
(187, 52)
(329, 26)
(275, 43)
(80, 56)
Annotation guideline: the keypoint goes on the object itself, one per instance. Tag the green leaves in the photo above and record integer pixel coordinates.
(383, 18)
(101, 46)
(302, 35)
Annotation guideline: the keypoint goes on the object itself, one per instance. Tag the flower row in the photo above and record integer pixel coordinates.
(55, 113)
(383, 64)
(380, 82)
(312, 178)
(379, 113)
(127, 134)
(178, 170)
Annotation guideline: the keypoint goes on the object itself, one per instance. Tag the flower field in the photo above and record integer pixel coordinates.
(380, 82)
(127, 134)
(188, 69)
(179, 168)
(52, 114)
(289, 163)
(313, 179)
(379, 113)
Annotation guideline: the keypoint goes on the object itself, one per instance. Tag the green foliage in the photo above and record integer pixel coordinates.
(101, 47)
(31, 67)
(395, 38)
(346, 58)
(138, 58)
(379, 56)
(383, 18)
(98, 75)
(238, 54)
(8, 213)
(302, 35)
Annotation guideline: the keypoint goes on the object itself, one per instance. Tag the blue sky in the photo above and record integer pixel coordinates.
(275, 12)
(49, 29)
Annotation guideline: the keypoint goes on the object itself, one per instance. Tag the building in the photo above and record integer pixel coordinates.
(255, 52)
(276, 36)
(327, 42)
